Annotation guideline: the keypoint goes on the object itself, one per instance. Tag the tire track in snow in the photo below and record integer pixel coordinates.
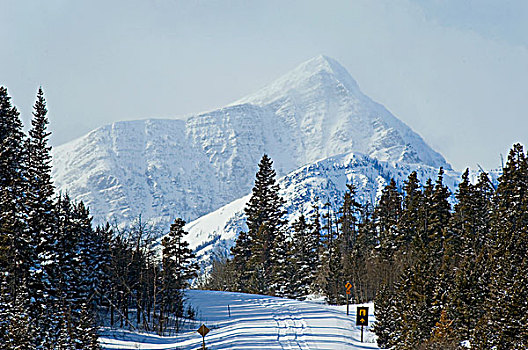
(290, 325)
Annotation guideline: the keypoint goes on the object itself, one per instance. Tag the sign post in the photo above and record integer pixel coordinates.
(203, 330)
(362, 318)
(348, 286)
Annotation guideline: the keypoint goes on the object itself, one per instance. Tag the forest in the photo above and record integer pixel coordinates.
(62, 278)
(444, 270)
(441, 276)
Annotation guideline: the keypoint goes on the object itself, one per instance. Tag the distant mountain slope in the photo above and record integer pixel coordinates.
(317, 183)
(167, 168)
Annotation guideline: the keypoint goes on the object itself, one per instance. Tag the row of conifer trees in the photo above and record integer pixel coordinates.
(315, 254)
(440, 275)
(465, 279)
(61, 279)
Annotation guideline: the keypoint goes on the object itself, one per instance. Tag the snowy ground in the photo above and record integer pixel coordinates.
(257, 322)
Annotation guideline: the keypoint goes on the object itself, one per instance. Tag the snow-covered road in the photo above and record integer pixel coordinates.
(257, 322)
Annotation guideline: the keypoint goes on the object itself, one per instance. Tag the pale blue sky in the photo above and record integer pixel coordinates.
(454, 71)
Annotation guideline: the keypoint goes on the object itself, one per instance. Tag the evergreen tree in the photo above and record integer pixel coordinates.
(303, 258)
(391, 251)
(72, 266)
(470, 224)
(386, 217)
(421, 293)
(241, 253)
(282, 269)
(441, 244)
(38, 204)
(410, 223)
(16, 244)
(388, 316)
(265, 204)
(258, 253)
(364, 273)
(508, 281)
(16, 328)
(330, 271)
(348, 219)
(260, 261)
(315, 234)
(178, 267)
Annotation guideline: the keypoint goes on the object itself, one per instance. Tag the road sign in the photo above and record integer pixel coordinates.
(203, 330)
(348, 286)
(362, 316)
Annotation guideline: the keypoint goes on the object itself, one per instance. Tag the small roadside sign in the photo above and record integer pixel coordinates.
(203, 330)
(362, 316)
(348, 286)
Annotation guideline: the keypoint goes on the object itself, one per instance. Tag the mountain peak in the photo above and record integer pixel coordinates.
(192, 167)
(318, 71)
(322, 63)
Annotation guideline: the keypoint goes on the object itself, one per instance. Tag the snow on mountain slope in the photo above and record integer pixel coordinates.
(167, 168)
(331, 116)
(257, 322)
(326, 180)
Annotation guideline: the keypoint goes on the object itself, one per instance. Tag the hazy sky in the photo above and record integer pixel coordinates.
(455, 71)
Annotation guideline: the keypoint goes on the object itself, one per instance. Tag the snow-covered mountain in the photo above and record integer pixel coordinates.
(314, 184)
(188, 168)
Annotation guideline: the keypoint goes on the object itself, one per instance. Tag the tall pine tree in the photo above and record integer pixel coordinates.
(257, 255)
(39, 207)
(16, 245)
(178, 267)
(508, 261)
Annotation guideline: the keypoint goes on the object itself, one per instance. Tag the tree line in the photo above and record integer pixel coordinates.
(441, 276)
(60, 278)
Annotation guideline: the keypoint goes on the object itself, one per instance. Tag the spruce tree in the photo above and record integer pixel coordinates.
(17, 245)
(178, 267)
(265, 237)
(364, 272)
(508, 281)
(305, 245)
(470, 224)
(348, 219)
(388, 312)
(265, 204)
(38, 204)
(282, 269)
(410, 223)
(386, 218)
(239, 264)
(390, 252)
(421, 292)
(71, 265)
(330, 271)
